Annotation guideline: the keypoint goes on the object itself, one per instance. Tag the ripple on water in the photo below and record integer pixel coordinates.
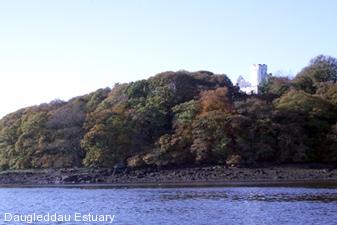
(230, 205)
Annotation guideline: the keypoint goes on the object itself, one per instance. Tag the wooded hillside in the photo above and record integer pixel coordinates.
(181, 118)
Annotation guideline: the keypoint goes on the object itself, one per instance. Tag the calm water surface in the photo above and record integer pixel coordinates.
(178, 206)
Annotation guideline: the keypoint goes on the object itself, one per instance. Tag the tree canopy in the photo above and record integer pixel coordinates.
(181, 118)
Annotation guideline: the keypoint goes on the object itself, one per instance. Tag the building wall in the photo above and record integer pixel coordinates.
(258, 75)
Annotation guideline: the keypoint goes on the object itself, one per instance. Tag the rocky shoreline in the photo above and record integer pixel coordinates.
(188, 176)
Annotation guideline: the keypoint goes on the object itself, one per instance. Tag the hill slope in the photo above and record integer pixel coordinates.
(180, 118)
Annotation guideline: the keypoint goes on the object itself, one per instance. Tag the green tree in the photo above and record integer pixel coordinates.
(321, 69)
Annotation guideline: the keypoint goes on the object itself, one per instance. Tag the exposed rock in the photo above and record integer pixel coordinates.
(70, 178)
(183, 175)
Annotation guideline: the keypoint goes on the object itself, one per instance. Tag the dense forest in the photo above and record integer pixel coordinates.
(178, 119)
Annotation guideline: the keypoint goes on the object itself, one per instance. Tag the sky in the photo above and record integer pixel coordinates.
(65, 48)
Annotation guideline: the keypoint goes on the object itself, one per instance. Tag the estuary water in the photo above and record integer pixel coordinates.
(176, 206)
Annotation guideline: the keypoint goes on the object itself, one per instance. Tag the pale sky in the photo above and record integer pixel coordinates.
(65, 48)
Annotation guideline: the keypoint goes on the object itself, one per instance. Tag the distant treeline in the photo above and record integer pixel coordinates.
(181, 118)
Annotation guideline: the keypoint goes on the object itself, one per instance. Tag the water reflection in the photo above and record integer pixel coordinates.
(324, 197)
(258, 195)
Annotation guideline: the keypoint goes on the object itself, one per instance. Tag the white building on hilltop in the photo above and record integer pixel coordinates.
(257, 76)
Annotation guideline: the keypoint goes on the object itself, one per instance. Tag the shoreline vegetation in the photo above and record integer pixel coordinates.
(208, 176)
(179, 128)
